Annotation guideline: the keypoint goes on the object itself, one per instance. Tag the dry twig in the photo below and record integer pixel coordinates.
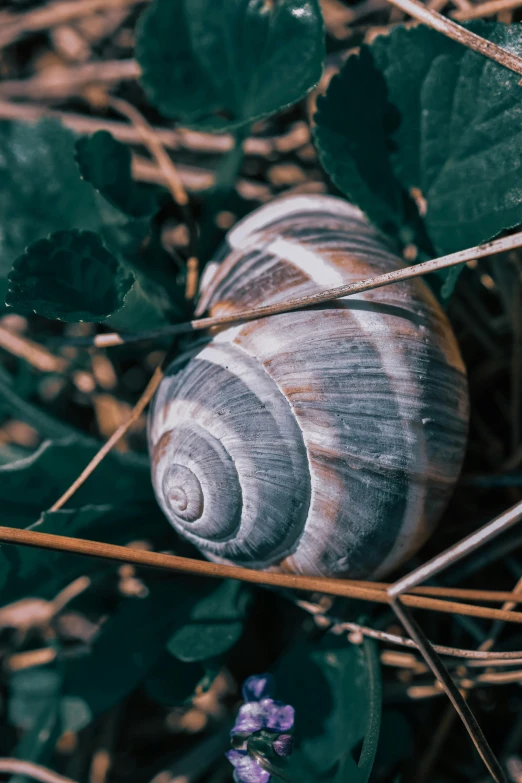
(368, 284)
(427, 571)
(196, 179)
(31, 770)
(488, 8)
(329, 586)
(15, 25)
(473, 657)
(179, 138)
(33, 353)
(173, 181)
(119, 433)
(63, 81)
(419, 11)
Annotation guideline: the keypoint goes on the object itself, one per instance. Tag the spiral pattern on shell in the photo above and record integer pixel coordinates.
(322, 441)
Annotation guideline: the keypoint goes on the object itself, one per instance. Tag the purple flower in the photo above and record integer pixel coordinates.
(260, 731)
(264, 714)
(258, 686)
(283, 745)
(247, 769)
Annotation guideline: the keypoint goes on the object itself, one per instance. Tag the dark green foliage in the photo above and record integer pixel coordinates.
(223, 63)
(215, 624)
(41, 190)
(40, 573)
(416, 110)
(43, 198)
(30, 693)
(336, 691)
(69, 277)
(130, 643)
(32, 484)
(106, 164)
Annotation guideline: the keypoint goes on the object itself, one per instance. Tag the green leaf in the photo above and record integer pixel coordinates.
(30, 693)
(69, 277)
(396, 744)
(34, 699)
(46, 425)
(223, 63)
(30, 485)
(215, 624)
(130, 642)
(336, 691)
(379, 136)
(41, 190)
(106, 164)
(41, 573)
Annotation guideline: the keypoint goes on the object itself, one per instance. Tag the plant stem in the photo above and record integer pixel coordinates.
(329, 586)
(368, 284)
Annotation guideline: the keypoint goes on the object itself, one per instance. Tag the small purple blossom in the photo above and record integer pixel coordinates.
(264, 714)
(260, 719)
(246, 769)
(283, 745)
(257, 687)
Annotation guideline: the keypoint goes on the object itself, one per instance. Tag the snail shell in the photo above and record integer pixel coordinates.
(323, 441)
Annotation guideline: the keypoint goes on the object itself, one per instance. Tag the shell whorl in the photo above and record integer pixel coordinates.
(342, 427)
(222, 426)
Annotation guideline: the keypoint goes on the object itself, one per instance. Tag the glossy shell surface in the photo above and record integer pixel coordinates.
(323, 441)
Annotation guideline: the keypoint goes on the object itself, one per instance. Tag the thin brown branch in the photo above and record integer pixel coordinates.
(428, 570)
(452, 691)
(119, 433)
(473, 657)
(485, 9)
(31, 770)
(33, 353)
(368, 284)
(53, 14)
(196, 179)
(419, 11)
(175, 139)
(340, 587)
(69, 593)
(488, 643)
(458, 551)
(173, 181)
(30, 658)
(155, 146)
(63, 81)
(465, 594)
(191, 286)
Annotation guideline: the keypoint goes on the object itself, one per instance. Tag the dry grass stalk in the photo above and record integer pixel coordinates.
(33, 353)
(406, 273)
(63, 81)
(149, 137)
(173, 181)
(119, 433)
(457, 33)
(329, 586)
(195, 179)
(31, 770)
(472, 657)
(14, 25)
(488, 8)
